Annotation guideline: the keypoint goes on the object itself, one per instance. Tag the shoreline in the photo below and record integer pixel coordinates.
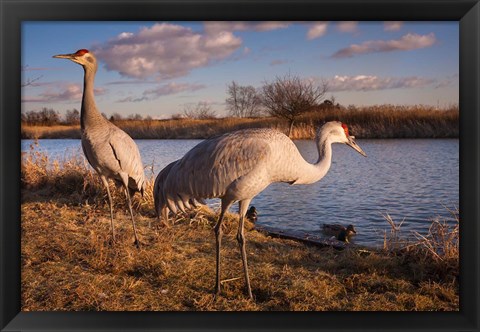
(372, 122)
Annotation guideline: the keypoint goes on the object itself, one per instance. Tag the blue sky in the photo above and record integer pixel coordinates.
(159, 68)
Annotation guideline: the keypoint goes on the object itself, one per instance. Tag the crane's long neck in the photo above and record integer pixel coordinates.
(90, 116)
(311, 173)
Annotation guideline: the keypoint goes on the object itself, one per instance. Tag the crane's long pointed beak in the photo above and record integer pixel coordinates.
(63, 56)
(351, 142)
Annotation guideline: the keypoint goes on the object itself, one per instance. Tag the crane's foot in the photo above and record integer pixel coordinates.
(137, 244)
(112, 241)
(249, 292)
(216, 293)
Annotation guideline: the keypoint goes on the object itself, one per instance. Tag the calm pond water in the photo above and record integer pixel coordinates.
(411, 179)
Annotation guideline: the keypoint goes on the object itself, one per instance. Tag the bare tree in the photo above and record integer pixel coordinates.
(29, 81)
(116, 117)
(201, 110)
(177, 116)
(243, 101)
(72, 117)
(290, 96)
(135, 116)
(45, 117)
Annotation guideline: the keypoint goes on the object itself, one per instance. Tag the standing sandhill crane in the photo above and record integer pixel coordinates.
(108, 149)
(239, 165)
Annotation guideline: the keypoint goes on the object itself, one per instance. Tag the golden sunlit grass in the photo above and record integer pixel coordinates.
(383, 121)
(68, 262)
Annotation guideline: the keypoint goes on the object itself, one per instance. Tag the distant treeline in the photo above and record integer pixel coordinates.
(381, 121)
(50, 117)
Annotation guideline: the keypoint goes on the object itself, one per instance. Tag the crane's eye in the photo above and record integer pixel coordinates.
(345, 128)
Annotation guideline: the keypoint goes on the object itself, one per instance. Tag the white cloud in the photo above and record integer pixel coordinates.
(163, 90)
(447, 81)
(392, 25)
(212, 27)
(165, 51)
(130, 82)
(277, 62)
(371, 82)
(409, 41)
(317, 30)
(28, 68)
(347, 26)
(66, 93)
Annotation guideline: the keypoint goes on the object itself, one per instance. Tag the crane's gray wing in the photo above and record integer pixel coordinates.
(212, 166)
(128, 156)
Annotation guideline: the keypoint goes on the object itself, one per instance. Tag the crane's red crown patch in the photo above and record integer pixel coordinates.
(81, 52)
(345, 128)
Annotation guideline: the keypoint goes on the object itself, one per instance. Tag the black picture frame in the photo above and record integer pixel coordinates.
(13, 12)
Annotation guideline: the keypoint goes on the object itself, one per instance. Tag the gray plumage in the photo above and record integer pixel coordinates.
(109, 150)
(236, 167)
(160, 193)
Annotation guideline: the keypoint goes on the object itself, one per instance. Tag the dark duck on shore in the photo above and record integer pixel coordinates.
(340, 232)
(252, 214)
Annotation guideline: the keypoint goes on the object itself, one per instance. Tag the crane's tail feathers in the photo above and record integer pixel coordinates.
(171, 205)
(180, 205)
(196, 203)
(186, 203)
(158, 204)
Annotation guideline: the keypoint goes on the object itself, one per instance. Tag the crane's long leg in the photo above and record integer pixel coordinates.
(137, 243)
(242, 209)
(218, 241)
(124, 177)
(105, 183)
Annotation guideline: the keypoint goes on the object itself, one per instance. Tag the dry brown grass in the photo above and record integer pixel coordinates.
(68, 262)
(382, 121)
(439, 249)
(58, 131)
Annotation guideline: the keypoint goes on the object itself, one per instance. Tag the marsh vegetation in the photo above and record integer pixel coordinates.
(382, 121)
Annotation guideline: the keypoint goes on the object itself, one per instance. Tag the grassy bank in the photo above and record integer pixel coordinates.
(68, 262)
(384, 121)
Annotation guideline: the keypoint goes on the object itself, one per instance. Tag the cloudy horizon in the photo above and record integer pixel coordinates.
(156, 68)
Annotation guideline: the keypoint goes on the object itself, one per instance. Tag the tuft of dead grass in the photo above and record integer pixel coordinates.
(436, 254)
(69, 263)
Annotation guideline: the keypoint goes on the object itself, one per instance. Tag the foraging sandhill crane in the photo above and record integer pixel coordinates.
(108, 149)
(239, 165)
